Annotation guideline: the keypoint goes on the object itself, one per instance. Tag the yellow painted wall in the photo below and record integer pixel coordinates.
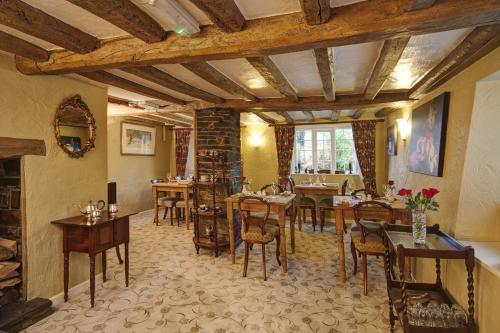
(56, 181)
(132, 173)
(462, 89)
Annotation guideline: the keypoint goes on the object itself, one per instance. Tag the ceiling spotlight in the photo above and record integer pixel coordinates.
(171, 15)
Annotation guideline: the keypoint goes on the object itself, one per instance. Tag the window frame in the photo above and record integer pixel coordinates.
(333, 146)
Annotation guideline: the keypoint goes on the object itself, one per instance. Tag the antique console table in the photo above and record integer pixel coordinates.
(84, 235)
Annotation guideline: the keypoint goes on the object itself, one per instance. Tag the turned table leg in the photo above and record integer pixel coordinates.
(92, 279)
(103, 260)
(126, 264)
(66, 275)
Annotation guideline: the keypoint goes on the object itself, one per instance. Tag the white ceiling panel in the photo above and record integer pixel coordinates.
(422, 53)
(150, 84)
(253, 9)
(195, 12)
(301, 71)
(297, 115)
(78, 18)
(250, 118)
(241, 72)
(183, 74)
(322, 114)
(353, 65)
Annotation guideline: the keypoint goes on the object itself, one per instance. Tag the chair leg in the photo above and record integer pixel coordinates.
(177, 216)
(345, 227)
(321, 219)
(354, 258)
(264, 260)
(297, 212)
(172, 209)
(365, 274)
(245, 263)
(313, 217)
(278, 250)
(165, 213)
(304, 215)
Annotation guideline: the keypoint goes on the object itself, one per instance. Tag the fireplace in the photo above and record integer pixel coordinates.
(16, 311)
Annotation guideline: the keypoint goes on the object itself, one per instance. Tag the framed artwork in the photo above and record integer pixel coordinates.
(428, 136)
(392, 141)
(137, 139)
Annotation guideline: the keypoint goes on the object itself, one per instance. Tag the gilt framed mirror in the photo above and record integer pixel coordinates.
(74, 127)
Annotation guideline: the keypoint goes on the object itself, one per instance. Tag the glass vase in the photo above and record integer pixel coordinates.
(419, 223)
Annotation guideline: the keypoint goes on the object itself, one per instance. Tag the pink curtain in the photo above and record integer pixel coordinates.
(285, 136)
(364, 142)
(181, 149)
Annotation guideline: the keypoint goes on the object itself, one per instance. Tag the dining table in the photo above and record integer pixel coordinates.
(330, 189)
(343, 206)
(279, 205)
(172, 187)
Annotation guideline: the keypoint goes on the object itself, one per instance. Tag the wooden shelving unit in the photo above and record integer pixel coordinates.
(220, 179)
(399, 241)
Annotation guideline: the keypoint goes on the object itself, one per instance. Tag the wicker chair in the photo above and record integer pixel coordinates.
(258, 230)
(369, 217)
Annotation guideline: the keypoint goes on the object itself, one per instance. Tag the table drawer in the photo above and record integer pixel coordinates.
(103, 237)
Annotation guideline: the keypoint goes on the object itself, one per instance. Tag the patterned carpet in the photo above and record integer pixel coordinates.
(174, 290)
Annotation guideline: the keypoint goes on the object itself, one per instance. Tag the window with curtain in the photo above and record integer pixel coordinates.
(324, 149)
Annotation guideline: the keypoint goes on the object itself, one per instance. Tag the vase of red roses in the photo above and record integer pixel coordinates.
(418, 205)
(389, 190)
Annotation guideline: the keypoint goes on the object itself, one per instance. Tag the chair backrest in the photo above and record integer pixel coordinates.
(356, 193)
(265, 187)
(370, 216)
(344, 186)
(246, 217)
(291, 184)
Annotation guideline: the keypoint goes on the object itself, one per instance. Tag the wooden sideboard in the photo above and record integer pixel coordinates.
(84, 235)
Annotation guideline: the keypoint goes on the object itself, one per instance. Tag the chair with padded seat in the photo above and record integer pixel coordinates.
(258, 230)
(180, 209)
(369, 217)
(166, 201)
(304, 204)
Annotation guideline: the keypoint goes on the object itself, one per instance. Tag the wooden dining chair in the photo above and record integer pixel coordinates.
(369, 216)
(166, 201)
(257, 230)
(304, 204)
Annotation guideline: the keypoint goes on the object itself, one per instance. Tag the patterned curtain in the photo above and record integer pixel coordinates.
(364, 142)
(181, 149)
(285, 136)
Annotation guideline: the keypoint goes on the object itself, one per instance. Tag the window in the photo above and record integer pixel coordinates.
(324, 148)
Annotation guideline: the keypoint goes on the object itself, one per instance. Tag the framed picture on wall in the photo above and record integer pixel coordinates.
(392, 141)
(137, 139)
(428, 136)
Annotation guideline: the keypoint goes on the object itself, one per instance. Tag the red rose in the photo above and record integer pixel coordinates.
(390, 182)
(408, 193)
(429, 193)
(404, 192)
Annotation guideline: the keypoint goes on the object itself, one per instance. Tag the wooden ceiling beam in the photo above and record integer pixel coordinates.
(357, 114)
(287, 117)
(309, 115)
(20, 47)
(32, 21)
(324, 62)
(168, 81)
(420, 4)
(388, 59)
(213, 76)
(335, 115)
(127, 16)
(477, 44)
(265, 117)
(384, 112)
(118, 101)
(167, 119)
(356, 23)
(223, 13)
(316, 11)
(119, 82)
(271, 73)
(329, 122)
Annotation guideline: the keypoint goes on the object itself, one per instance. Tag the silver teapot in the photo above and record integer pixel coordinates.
(92, 209)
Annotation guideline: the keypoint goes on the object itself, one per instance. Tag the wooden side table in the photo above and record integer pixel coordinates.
(84, 235)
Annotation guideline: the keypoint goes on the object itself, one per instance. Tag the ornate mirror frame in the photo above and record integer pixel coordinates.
(75, 102)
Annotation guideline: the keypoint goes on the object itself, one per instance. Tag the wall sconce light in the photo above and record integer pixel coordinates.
(404, 128)
(256, 140)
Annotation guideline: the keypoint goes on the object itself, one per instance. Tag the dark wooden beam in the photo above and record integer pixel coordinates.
(316, 11)
(309, 115)
(265, 117)
(13, 147)
(335, 115)
(118, 101)
(113, 80)
(20, 47)
(384, 112)
(127, 16)
(420, 4)
(478, 43)
(388, 59)
(357, 23)
(166, 119)
(286, 116)
(327, 122)
(32, 21)
(145, 120)
(173, 117)
(223, 13)
(271, 73)
(324, 62)
(357, 114)
(168, 81)
(210, 74)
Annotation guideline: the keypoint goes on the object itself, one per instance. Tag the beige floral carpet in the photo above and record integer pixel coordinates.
(174, 290)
